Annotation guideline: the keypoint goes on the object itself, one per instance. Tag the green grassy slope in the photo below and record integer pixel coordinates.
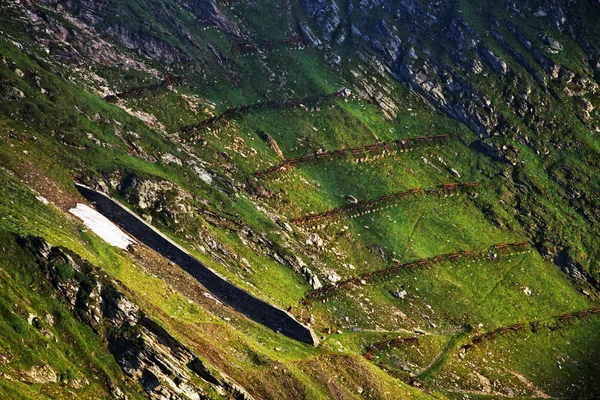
(241, 225)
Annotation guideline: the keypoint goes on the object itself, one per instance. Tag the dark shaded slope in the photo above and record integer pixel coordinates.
(237, 298)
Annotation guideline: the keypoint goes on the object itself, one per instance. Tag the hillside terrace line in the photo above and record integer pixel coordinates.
(402, 145)
(254, 308)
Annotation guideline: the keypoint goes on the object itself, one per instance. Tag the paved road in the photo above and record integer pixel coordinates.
(242, 301)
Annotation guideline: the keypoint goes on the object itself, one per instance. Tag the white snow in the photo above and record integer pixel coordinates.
(102, 226)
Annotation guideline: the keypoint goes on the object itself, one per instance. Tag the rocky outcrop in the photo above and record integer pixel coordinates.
(450, 93)
(158, 198)
(326, 14)
(140, 36)
(145, 44)
(551, 68)
(146, 352)
(496, 63)
(208, 13)
(10, 93)
(384, 48)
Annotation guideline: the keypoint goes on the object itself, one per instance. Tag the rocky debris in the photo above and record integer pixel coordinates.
(383, 47)
(312, 279)
(309, 35)
(553, 10)
(315, 240)
(400, 294)
(315, 283)
(171, 159)
(564, 261)
(11, 93)
(454, 172)
(518, 56)
(146, 352)
(326, 14)
(373, 88)
(432, 165)
(451, 94)
(586, 108)
(209, 14)
(484, 383)
(546, 63)
(39, 375)
(94, 14)
(512, 7)
(202, 173)
(75, 40)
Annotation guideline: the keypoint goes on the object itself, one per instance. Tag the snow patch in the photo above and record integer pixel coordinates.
(102, 226)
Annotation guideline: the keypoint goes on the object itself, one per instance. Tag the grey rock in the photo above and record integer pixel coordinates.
(454, 172)
(496, 63)
(146, 352)
(310, 36)
(553, 43)
(11, 93)
(315, 283)
(40, 375)
(326, 15)
(315, 240)
(351, 199)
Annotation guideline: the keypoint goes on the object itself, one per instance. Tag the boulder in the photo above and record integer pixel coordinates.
(11, 93)
(496, 63)
(315, 240)
(351, 199)
(553, 43)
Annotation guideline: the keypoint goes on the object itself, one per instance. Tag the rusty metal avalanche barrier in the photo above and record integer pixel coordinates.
(240, 300)
(167, 81)
(295, 41)
(360, 154)
(501, 248)
(390, 344)
(553, 323)
(371, 206)
(275, 104)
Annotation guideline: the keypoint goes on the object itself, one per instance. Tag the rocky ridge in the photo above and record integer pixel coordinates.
(147, 353)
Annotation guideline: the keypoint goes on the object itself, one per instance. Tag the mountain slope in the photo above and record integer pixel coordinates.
(416, 181)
